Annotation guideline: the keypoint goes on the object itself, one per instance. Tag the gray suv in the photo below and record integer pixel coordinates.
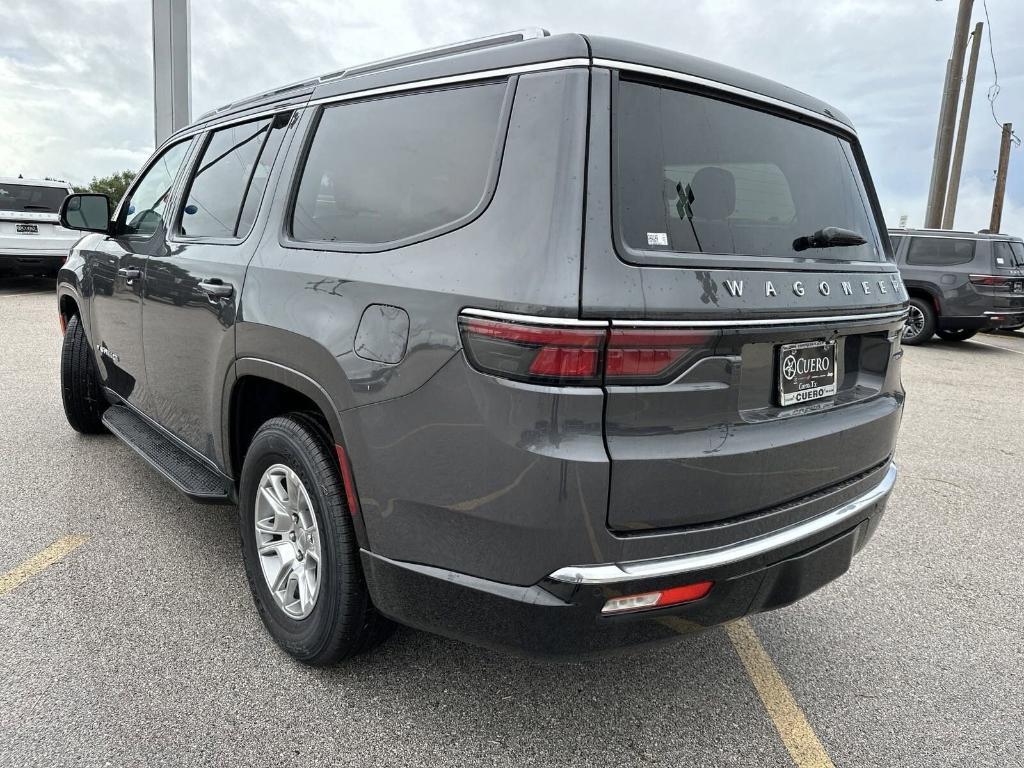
(533, 341)
(959, 282)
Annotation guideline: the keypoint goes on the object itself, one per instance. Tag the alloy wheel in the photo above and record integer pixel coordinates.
(914, 326)
(288, 541)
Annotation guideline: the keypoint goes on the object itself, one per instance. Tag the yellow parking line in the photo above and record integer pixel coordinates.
(39, 562)
(804, 746)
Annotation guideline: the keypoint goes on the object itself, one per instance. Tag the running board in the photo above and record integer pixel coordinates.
(185, 472)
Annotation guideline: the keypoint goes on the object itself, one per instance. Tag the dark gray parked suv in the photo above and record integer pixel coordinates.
(532, 341)
(959, 282)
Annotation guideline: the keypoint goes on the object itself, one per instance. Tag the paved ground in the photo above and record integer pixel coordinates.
(141, 646)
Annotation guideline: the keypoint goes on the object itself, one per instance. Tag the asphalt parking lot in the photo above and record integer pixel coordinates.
(139, 645)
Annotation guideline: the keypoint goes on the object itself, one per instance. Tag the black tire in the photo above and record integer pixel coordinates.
(84, 402)
(343, 621)
(922, 311)
(958, 334)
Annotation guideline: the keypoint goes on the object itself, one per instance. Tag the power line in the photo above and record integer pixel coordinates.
(995, 88)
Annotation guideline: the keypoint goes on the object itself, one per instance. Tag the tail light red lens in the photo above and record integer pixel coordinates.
(649, 356)
(539, 354)
(579, 355)
(991, 281)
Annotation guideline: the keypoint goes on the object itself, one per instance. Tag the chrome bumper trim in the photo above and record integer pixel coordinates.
(613, 573)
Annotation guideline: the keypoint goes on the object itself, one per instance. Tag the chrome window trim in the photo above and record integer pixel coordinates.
(771, 321)
(466, 77)
(618, 323)
(513, 317)
(614, 573)
(725, 88)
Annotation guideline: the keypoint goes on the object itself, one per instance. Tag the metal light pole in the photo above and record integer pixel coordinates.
(172, 81)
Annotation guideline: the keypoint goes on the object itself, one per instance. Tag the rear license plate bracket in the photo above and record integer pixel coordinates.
(807, 371)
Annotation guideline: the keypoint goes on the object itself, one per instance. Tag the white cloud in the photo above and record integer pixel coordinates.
(76, 78)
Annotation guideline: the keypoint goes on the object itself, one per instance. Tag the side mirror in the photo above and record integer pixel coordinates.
(87, 212)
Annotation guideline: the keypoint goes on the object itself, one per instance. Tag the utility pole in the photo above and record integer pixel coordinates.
(1004, 162)
(947, 116)
(949, 213)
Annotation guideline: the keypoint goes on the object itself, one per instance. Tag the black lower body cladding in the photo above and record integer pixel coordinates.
(562, 620)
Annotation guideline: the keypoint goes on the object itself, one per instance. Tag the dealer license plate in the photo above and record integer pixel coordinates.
(807, 371)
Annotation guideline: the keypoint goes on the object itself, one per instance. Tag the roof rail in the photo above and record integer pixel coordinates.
(490, 41)
(427, 54)
(308, 82)
(934, 229)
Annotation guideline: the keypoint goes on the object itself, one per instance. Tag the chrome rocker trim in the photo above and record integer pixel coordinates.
(614, 573)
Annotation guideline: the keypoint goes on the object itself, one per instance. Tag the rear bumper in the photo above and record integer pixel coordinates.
(21, 262)
(561, 615)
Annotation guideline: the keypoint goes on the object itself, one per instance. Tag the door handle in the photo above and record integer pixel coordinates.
(129, 274)
(214, 288)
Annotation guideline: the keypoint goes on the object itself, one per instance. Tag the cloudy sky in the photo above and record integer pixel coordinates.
(76, 90)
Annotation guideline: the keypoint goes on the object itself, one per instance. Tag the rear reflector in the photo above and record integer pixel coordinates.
(351, 497)
(666, 597)
(577, 355)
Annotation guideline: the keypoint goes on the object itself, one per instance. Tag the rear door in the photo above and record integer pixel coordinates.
(192, 287)
(114, 269)
(759, 362)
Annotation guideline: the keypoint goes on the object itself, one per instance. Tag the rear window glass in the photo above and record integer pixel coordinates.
(25, 197)
(1008, 254)
(699, 175)
(396, 168)
(940, 251)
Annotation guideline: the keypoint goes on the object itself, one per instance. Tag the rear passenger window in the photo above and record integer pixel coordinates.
(392, 169)
(940, 251)
(229, 179)
(895, 240)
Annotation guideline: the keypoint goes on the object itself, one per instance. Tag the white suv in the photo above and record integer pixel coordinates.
(32, 241)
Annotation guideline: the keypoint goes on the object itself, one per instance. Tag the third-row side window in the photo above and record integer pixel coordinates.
(940, 251)
(391, 169)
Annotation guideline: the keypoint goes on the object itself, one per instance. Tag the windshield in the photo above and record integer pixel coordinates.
(699, 175)
(26, 197)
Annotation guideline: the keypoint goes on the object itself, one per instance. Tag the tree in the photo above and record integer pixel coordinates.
(112, 186)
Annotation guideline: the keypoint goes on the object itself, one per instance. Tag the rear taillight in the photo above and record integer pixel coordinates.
(651, 356)
(540, 354)
(992, 281)
(583, 354)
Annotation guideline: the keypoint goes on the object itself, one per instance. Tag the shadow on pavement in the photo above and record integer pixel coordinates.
(21, 285)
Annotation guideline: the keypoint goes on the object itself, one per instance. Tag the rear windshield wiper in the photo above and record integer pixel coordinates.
(829, 237)
(34, 206)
